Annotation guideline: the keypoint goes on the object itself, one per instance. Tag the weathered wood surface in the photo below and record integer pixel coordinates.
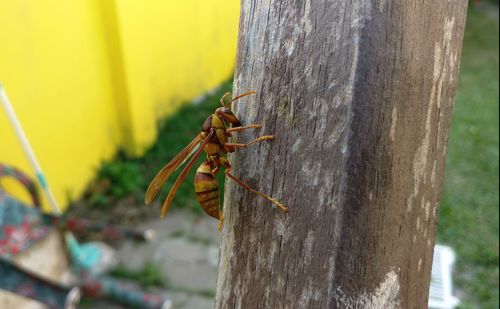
(359, 95)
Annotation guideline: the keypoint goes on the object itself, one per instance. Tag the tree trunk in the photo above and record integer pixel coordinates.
(359, 97)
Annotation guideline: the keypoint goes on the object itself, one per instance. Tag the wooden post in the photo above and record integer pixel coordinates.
(359, 95)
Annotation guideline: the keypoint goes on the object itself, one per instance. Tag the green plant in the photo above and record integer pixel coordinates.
(116, 179)
(147, 277)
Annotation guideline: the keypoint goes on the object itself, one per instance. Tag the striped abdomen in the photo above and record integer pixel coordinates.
(207, 189)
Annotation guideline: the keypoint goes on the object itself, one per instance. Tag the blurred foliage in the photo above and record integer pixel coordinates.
(191, 236)
(469, 209)
(147, 277)
(116, 179)
(150, 276)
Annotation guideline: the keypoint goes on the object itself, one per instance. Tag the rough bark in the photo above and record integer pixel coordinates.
(359, 96)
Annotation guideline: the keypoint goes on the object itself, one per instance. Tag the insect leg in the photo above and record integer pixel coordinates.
(218, 161)
(221, 219)
(237, 129)
(247, 187)
(260, 139)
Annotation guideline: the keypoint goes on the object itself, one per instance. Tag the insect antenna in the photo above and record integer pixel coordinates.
(222, 99)
(241, 96)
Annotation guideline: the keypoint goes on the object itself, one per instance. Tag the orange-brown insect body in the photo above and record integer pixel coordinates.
(206, 185)
(213, 139)
(207, 190)
(217, 142)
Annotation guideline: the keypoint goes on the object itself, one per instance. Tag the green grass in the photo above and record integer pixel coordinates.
(147, 277)
(469, 209)
(150, 276)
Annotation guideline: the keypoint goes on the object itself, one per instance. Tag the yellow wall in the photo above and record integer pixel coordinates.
(88, 76)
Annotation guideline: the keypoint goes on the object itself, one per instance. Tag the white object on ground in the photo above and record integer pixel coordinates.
(441, 290)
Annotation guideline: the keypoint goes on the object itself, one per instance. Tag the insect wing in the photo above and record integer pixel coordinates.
(188, 156)
(182, 176)
(162, 176)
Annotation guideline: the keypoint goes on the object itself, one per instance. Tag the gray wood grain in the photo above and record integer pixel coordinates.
(359, 95)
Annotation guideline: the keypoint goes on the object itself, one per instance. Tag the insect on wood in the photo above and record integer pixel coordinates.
(213, 139)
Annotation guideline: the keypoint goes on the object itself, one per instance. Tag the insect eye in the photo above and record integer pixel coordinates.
(227, 111)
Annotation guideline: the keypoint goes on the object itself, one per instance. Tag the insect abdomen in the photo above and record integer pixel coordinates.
(207, 190)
